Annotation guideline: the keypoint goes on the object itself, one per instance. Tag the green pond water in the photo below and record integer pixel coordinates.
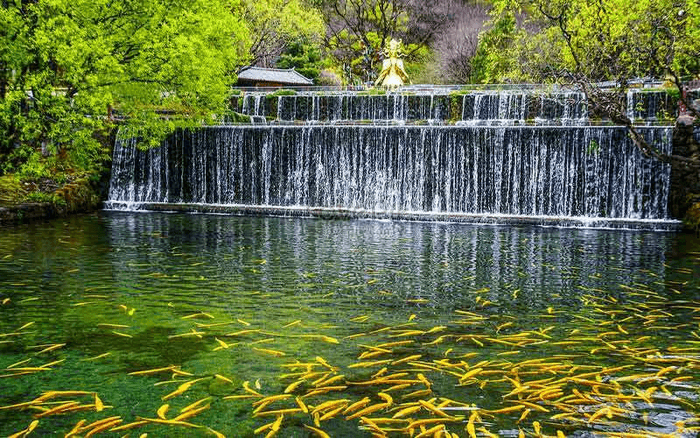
(477, 330)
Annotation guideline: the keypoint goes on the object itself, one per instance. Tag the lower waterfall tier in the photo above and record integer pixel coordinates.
(591, 172)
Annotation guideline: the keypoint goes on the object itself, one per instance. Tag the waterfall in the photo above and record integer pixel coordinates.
(490, 165)
(650, 106)
(480, 107)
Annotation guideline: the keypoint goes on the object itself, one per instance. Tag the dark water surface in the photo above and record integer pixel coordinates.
(480, 329)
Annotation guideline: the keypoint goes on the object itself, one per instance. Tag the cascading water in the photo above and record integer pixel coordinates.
(421, 106)
(650, 106)
(506, 157)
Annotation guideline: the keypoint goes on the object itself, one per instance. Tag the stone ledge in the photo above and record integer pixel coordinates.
(26, 212)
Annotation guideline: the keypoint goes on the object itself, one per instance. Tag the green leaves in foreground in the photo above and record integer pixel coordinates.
(68, 68)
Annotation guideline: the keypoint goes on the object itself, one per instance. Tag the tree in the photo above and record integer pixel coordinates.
(358, 30)
(588, 41)
(456, 46)
(496, 56)
(66, 67)
(304, 57)
(275, 24)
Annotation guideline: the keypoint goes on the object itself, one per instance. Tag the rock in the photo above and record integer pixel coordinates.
(685, 180)
(76, 197)
(685, 120)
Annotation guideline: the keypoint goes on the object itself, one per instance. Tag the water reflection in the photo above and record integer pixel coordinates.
(388, 263)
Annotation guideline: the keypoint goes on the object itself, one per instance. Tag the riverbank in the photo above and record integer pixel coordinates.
(28, 201)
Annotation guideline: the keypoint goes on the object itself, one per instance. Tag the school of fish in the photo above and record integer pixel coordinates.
(481, 373)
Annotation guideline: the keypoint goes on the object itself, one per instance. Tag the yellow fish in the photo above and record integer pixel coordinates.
(162, 411)
(432, 408)
(407, 411)
(319, 433)
(301, 405)
(248, 389)
(24, 432)
(152, 371)
(223, 378)
(222, 345)
(357, 405)
(191, 413)
(434, 431)
(322, 361)
(180, 389)
(103, 427)
(76, 429)
(275, 353)
(367, 410)
(332, 413)
(471, 430)
(330, 404)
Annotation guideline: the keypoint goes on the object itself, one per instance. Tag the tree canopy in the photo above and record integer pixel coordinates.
(66, 67)
(589, 42)
(593, 40)
(275, 25)
(358, 30)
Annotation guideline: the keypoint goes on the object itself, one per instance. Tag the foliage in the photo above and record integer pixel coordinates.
(691, 220)
(673, 93)
(68, 68)
(599, 40)
(329, 77)
(44, 197)
(236, 117)
(280, 92)
(496, 57)
(11, 190)
(358, 30)
(304, 57)
(373, 92)
(590, 41)
(34, 168)
(275, 24)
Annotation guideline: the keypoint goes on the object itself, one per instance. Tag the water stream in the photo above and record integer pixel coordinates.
(498, 157)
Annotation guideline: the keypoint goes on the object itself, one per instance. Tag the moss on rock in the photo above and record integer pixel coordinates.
(18, 204)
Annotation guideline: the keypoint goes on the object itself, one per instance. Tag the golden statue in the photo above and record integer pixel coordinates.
(393, 75)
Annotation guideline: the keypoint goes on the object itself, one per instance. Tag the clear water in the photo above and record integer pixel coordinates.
(610, 315)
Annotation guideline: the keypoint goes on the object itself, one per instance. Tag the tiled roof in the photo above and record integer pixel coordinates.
(275, 75)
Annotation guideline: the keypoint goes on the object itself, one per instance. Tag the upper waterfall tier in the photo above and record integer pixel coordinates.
(651, 106)
(499, 108)
(440, 106)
